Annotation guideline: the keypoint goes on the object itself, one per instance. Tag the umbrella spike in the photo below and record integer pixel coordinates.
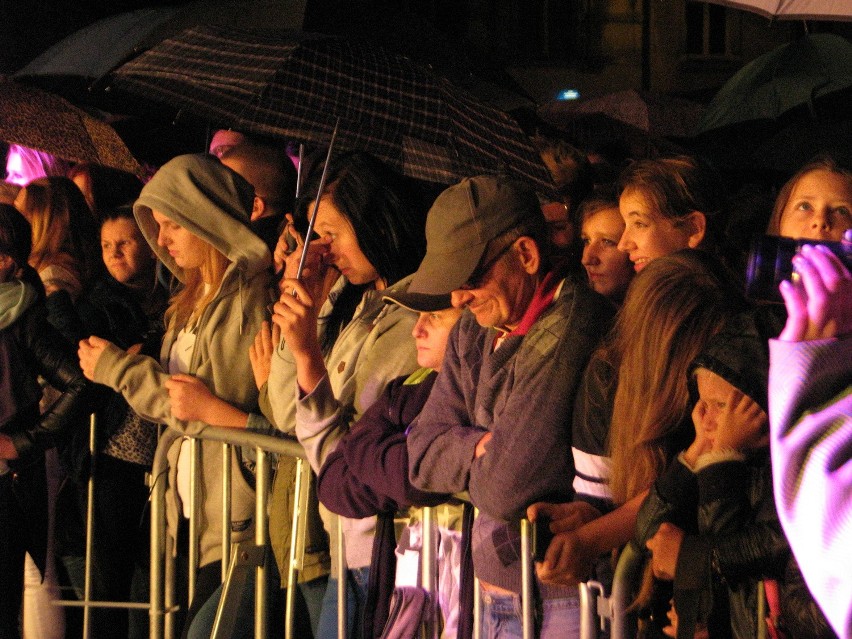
(316, 203)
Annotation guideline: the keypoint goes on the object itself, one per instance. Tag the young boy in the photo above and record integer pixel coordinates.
(710, 521)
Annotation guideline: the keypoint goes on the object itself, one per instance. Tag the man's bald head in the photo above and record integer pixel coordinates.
(269, 170)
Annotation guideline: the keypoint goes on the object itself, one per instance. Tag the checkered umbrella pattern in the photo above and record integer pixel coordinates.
(296, 86)
(44, 121)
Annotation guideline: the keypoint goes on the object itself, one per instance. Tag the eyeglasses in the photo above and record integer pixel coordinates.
(480, 273)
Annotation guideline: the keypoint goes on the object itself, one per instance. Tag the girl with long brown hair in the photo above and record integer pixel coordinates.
(64, 247)
(672, 307)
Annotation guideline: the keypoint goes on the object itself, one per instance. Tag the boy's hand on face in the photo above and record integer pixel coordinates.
(742, 424)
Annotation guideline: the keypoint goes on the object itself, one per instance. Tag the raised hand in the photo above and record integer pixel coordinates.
(260, 352)
(742, 424)
(819, 304)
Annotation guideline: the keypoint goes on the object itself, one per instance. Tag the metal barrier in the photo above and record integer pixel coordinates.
(162, 570)
(162, 602)
(87, 603)
(597, 610)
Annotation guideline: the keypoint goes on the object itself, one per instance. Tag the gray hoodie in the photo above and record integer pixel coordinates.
(213, 202)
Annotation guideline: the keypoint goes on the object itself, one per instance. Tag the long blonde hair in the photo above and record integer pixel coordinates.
(188, 304)
(672, 307)
(63, 229)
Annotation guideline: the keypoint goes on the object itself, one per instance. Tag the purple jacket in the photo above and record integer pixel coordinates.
(367, 474)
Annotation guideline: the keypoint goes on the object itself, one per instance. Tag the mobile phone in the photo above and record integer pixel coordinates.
(770, 263)
(541, 537)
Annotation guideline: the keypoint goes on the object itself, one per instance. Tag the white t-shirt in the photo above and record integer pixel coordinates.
(180, 357)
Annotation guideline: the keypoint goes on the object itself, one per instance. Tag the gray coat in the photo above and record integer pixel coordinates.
(523, 393)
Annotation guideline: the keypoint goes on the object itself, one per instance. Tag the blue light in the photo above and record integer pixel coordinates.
(568, 94)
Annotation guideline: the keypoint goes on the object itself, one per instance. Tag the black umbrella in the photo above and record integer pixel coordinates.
(297, 85)
(74, 66)
(812, 69)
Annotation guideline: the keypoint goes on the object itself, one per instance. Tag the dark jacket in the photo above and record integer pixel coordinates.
(42, 351)
(726, 508)
(523, 394)
(32, 347)
(119, 314)
(734, 542)
(367, 474)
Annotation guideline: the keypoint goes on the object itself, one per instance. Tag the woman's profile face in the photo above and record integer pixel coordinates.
(186, 249)
(344, 252)
(609, 269)
(648, 234)
(819, 207)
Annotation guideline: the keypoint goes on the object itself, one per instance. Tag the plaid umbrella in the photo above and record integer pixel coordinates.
(74, 66)
(40, 120)
(297, 85)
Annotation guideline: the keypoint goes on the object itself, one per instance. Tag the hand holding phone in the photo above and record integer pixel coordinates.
(542, 536)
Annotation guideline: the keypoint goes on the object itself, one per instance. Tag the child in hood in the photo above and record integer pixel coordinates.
(710, 521)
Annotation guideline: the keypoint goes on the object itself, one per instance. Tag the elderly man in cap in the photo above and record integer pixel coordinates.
(498, 421)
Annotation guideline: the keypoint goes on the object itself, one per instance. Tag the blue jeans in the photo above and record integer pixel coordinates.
(356, 595)
(306, 610)
(501, 617)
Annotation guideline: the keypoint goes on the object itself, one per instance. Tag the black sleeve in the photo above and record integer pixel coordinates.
(56, 361)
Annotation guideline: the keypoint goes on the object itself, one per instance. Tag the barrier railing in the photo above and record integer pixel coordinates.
(597, 610)
(161, 604)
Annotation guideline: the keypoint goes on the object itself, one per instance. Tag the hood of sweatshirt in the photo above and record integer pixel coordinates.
(739, 354)
(211, 201)
(15, 298)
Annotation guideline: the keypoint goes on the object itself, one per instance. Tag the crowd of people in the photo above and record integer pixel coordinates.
(592, 359)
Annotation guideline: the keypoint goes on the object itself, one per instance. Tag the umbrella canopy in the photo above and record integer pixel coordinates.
(795, 74)
(40, 120)
(639, 124)
(654, 113)
(74, 65)
(792, 9)
(297, 85)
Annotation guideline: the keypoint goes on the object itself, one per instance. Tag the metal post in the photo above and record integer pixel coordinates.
(170, 573)
(195, 514)
(594, 609)
(158, 578)
(226, 509)
(477, 598)
(627, 572)
(428, 563)
(90, 531)
(527, 607)
(341, 580)
(297, 540)
(261, 537)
